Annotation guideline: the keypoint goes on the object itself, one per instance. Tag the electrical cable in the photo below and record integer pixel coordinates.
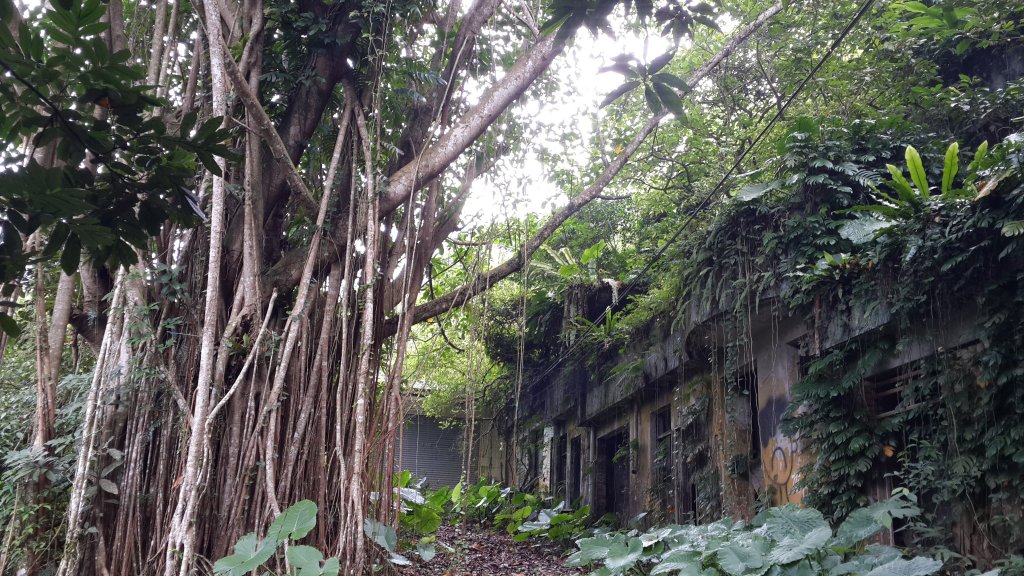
(706, 200)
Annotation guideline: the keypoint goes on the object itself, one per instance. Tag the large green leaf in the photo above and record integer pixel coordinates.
(743, 557)
(874, 555)
(919, 566)
(858, 526)
(678, 561)
(332, 567)
(249, 554)
(790, 520)
(624, 553)
(426, 550)
(902, 187)
(423, 520)
(798, 546)
(591, 549)
(384, 535)
(592, 253)
(305, 560)
(670, 99)
(951, 167)
(294, 523)
(9, 325)
(917, 173)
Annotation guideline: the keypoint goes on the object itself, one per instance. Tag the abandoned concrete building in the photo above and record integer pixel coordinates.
(667, 429)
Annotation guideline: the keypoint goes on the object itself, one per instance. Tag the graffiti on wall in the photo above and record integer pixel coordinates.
(780, 455)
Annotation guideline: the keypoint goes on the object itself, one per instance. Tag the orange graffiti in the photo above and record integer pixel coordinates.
(781, 465)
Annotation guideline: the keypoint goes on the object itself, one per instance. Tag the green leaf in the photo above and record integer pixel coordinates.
(248, 555)
(71, 257)
(914, 7)
(294, 523)
(980, 154)
(677, 561)
(755, 191)
(108, 486)
(902, 187)
(593, 252)
(426, 550)
(798, 546)
(384, 535)
(670, 99)
(789, 520)
(925, 22)
(660, 62)
(919, 566)
(568, 271)
(9, 325)
(623, 554)
(306, 559)
(423, 520)
(917, 173)
(739, 557)
(950, 168)
(1013, 228)
(858, 526)
(861, 230)
(591, 549)
(332, 567)
(671, 80)
(652, 100)
(399, 560)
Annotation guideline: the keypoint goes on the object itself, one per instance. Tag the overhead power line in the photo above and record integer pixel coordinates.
(705, 202)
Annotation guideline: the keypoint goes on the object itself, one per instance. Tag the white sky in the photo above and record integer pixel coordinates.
(575, 108)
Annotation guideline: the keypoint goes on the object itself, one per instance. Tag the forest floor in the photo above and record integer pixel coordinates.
(479, 551)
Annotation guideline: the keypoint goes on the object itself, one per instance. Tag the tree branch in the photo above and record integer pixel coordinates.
(482, 281)
(432, 161)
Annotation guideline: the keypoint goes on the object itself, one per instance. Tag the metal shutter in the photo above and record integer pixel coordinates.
(432, 453)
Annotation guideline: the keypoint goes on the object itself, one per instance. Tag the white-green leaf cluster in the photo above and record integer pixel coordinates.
(780, 541)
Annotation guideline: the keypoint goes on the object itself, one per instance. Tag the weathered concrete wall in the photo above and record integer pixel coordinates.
(778, 369)
(777, 358)
(491, 460)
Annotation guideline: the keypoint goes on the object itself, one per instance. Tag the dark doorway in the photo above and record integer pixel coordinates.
(576, 469)
(612, 490)
(746, 383)
(559, 467)
(663, 464)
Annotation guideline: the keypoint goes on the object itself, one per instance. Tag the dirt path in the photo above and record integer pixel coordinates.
(480, 552)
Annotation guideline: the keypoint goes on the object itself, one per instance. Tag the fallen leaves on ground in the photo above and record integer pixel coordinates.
(477, 551)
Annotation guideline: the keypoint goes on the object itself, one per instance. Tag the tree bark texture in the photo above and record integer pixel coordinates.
(256, 376)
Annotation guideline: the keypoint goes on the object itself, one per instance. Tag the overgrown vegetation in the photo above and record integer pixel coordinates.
(786, 540)
(887, 219)
(241, 213)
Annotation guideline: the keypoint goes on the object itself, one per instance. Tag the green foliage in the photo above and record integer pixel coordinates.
(294, 523)
(662, 90)
(520, 514)
(786, 540)
(556, 523)
(102, 172)
(40, 525)
(677, 20)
